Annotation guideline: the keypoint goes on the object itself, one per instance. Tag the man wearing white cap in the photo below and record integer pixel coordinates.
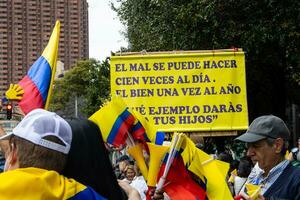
(37, 153)
(267, 138)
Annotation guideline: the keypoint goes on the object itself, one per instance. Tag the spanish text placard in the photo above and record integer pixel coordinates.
(186, 91)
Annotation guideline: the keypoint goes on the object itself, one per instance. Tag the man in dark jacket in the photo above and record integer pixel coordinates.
(267, 138)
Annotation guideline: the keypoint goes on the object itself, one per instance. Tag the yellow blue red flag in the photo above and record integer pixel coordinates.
(180, 184)
(212, 172)
(114, 121)
(36, 184)
(143, 129)
(36, 86)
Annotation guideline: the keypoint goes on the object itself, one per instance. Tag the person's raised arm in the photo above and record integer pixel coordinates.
(132, 193)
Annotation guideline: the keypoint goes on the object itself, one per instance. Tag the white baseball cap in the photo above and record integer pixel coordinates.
(40, 123)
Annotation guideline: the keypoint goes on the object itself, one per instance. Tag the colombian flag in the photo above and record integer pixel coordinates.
(144, 130)
(36, 184)
(114, 121)
(37, 84)
(180, 184)
(138, 132)
(211, 171)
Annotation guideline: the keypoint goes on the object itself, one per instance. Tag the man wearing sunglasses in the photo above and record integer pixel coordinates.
(267, 140)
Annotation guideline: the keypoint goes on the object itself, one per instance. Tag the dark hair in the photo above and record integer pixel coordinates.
(244, 167)
(123, 158)
(226, 157)
(88, 160)
(235, 164)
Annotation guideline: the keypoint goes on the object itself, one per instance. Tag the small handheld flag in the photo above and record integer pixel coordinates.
(114, 121)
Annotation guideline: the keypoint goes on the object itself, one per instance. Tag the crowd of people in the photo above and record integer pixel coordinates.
(47, 157)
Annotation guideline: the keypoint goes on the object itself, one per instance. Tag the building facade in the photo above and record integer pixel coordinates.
(25, 28)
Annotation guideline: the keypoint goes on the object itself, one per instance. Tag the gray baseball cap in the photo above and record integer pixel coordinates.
(267, 126)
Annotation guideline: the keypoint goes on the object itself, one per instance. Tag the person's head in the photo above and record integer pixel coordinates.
(123, 162)
(130, 172)
(266, 139)
(244, 167)
(42, 140)
(226, 157)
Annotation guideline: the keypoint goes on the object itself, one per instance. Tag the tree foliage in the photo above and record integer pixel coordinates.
(267, 30)
(88, 80)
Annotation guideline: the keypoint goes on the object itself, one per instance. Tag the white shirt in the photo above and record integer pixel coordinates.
(140, 185)
(238, 184)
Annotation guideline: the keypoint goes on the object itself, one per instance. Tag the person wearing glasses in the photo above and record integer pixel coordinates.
(267, 140)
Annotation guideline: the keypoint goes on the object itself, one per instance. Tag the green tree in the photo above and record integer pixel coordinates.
(267, 30)
(88, 80)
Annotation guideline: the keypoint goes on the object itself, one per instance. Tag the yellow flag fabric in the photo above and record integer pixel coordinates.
(253, 190)
(215, 173)
(189, 151)
(197, 168)
(212, 171)
(287, 154)
(231, 178)
(223, 167)
(50, 53)
(136, 152)
(36, 184)
(191, 158)
(157, 153)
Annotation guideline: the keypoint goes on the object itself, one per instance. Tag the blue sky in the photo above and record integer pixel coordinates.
(104, 30)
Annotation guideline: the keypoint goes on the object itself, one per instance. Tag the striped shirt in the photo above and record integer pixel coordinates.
(267, 181)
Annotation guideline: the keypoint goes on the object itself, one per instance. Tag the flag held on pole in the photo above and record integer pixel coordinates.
(34, 90)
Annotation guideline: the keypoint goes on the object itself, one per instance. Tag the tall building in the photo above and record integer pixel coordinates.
(25, 28)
